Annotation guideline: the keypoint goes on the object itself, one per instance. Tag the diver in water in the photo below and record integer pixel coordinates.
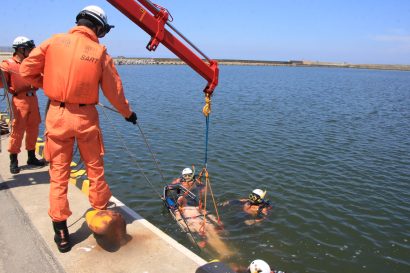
(257, 266)
(182, 198)
(256, 205)
(189, 181)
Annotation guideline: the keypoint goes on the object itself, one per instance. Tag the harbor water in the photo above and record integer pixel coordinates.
(331, 147)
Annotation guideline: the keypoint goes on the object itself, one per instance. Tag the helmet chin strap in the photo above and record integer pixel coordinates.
(26, 49)
(100, 31)
(21, 53)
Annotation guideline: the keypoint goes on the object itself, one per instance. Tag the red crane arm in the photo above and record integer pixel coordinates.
(152, 21)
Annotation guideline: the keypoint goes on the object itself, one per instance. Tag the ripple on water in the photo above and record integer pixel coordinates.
(331, 147)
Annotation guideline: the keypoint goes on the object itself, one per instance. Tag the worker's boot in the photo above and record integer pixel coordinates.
(32, 160)
(61, 236)
(14, 164)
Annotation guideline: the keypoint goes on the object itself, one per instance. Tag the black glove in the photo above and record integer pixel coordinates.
(132, 118)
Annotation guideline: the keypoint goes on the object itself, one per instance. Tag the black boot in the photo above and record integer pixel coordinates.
(32, 160)
(14, 164)
(61, 237)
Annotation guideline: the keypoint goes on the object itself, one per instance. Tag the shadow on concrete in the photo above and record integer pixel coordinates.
(26, 179)
(29, 179)
(109, 243)
(32, 167)
(80, 234)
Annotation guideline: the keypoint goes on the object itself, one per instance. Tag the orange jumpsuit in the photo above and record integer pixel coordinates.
(26, 115)
(70, 68)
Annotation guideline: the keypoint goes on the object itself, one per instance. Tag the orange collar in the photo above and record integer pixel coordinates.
(85, 31)
(17, 59)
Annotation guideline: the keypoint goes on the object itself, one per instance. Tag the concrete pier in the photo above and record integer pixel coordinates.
(26, 233)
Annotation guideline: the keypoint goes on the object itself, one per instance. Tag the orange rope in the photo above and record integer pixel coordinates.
(202, 228)
(204, 211)
(213, 198)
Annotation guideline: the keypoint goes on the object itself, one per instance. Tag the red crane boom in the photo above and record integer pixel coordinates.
(152, 19)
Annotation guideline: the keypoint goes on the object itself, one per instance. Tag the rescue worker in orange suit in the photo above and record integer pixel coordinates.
(70, 67)
(26, 115)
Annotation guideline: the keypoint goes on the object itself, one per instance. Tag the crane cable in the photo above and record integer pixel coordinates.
(206, 110)
(124, 146)
(140, 168)
(145, 140)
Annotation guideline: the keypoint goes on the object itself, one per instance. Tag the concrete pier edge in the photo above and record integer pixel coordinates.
(26, 234)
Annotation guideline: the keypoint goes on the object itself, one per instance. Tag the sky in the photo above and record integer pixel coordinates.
(351, 31)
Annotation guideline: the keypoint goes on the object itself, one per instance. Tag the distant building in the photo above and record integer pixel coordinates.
(6, 49)
(295, 62)
(5, 55)
(5, 52)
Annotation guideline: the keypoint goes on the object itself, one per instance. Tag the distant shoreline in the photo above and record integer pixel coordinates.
(175, 61)
(295, 63)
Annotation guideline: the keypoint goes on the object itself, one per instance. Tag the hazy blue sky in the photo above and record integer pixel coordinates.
(354, 31)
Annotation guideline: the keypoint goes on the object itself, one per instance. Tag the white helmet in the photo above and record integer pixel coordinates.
(259, 192)
(259, 266)
(187, 171)
(96, 15)
(256, 196)
(22, 41)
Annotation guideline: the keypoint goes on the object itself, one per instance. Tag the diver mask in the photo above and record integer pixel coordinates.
(255, 198)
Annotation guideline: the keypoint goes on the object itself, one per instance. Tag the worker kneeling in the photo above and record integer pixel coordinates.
(108, 227)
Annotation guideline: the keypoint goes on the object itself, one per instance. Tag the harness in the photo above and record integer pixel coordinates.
(261, 206)
(265, 204)
(173, 192)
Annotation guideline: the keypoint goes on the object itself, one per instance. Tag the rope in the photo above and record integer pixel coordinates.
(208, 185)
(152, 153)
(206, 141)
(145, 140)
(206, 111)
(124, 146)
(213, 196)
(140, 168)
(188, 229)
(180, 209)
(202, 228)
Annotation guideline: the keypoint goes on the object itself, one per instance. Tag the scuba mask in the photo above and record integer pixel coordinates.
(255, 198)
(188, 177)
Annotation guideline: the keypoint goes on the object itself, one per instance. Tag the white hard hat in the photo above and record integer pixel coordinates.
(97, 16)
(22, 41)
(259, 266)
(259, 192)
(186, 171)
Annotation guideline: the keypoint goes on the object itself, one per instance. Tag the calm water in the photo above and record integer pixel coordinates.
(331, 146)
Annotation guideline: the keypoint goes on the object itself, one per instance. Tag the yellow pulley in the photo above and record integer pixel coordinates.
(206, 110)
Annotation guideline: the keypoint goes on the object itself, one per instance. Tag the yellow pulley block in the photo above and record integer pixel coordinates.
(206, 110)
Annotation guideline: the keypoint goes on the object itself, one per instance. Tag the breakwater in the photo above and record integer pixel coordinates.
(175, 61)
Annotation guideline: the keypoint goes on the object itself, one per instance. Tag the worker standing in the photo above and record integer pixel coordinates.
(26, 115)
(71, 67)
